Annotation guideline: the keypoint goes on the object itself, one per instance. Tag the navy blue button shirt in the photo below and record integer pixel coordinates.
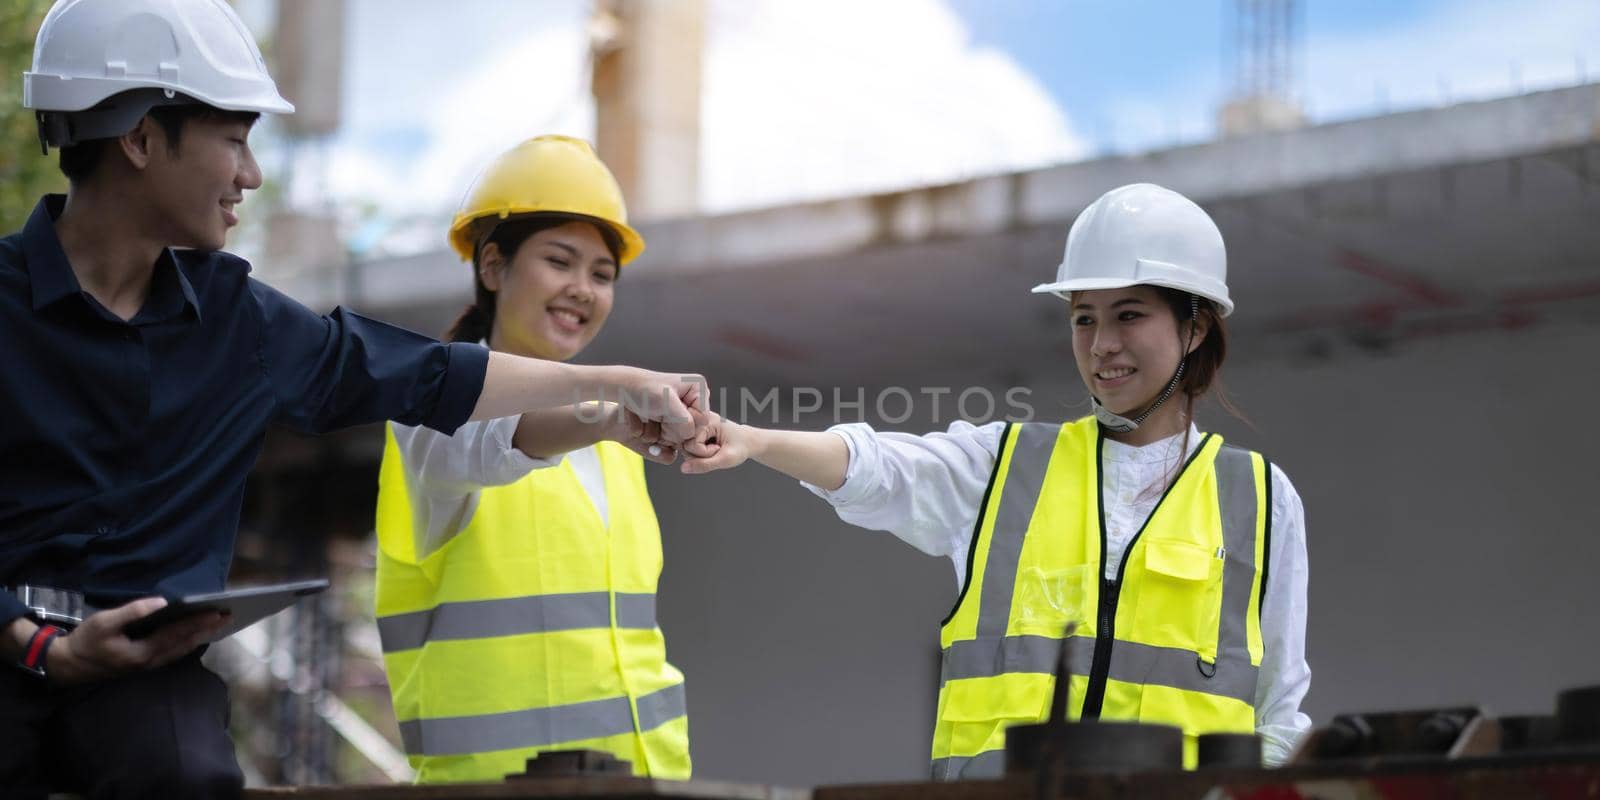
(124, 445)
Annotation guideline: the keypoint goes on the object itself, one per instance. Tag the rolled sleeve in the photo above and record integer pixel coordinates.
(465, 368)
(858, 482)
(479, 454)
(343, 369)
(505, 461)
(1278, 743)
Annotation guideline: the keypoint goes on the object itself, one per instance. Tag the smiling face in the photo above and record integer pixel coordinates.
(1127, 344)
(554, 295)
(193, 191)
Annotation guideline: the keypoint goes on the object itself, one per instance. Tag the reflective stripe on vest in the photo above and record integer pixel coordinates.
(997, 653)
(1131, 662)
(539, 727)
(477, 619)
(991, 764)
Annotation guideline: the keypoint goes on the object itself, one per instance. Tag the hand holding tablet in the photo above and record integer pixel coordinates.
(245, 607)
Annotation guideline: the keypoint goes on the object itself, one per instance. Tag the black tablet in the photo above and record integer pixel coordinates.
(247, 607)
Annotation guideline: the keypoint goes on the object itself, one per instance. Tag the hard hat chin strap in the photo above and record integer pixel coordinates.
(1116, 423)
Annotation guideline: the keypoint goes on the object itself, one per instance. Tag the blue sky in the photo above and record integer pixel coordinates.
(1102, 59)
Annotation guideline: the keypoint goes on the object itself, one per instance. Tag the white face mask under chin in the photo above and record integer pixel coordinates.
(1116, 423)
(1112, 421)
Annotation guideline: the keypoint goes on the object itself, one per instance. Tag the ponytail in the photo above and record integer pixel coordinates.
(477, 320)
(472, 326)
(1202, 369)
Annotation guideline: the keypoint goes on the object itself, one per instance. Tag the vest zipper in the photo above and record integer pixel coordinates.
(1111, 590)
(1094, 698)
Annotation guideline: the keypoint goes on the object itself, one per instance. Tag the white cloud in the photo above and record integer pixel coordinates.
(800, 100)
(833, 97)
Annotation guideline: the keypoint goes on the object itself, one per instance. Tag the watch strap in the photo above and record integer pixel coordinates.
(33, 655)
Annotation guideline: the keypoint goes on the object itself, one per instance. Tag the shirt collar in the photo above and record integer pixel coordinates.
(49, 274)
(170, 292)
(1158, 451)
(51, 279)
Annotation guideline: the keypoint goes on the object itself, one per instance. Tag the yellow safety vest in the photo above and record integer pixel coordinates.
(533, 629)
(1176, 639)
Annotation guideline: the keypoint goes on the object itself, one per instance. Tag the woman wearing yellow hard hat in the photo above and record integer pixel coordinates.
(1181, 560)
(518, 558)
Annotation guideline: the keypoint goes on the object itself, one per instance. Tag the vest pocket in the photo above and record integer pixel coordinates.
(1009, 697)
(1047, 599)
(1180, 601)
(976, 711)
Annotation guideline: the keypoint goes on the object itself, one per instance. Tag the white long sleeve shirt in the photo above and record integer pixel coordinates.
(445, 474)
(926, 490)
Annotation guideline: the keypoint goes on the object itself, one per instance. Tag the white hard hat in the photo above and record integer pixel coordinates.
(1144, 234)
(89, 51)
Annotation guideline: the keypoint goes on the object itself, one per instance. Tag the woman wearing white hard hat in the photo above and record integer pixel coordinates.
(518, 558)
(1180, 559)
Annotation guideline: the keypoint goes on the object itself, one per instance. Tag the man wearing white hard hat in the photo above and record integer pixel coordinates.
(1181, 560)
(143, 367)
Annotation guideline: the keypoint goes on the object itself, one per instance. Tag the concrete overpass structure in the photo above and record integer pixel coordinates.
(1359, 233)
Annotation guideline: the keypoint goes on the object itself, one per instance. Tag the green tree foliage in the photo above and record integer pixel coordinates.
(24, 173)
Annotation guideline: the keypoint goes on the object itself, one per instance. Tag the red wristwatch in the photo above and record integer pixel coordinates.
(38, 645)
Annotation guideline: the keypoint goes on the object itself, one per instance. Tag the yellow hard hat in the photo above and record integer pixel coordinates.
(556, 174)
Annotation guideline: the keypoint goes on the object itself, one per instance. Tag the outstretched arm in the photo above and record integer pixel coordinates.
(515, 385)
(343, 369)
(818, 458)
(924, 489)
(554, 432)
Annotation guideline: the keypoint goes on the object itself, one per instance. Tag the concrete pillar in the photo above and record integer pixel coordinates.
(647, 62)
(309, 53)
(303, 247)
